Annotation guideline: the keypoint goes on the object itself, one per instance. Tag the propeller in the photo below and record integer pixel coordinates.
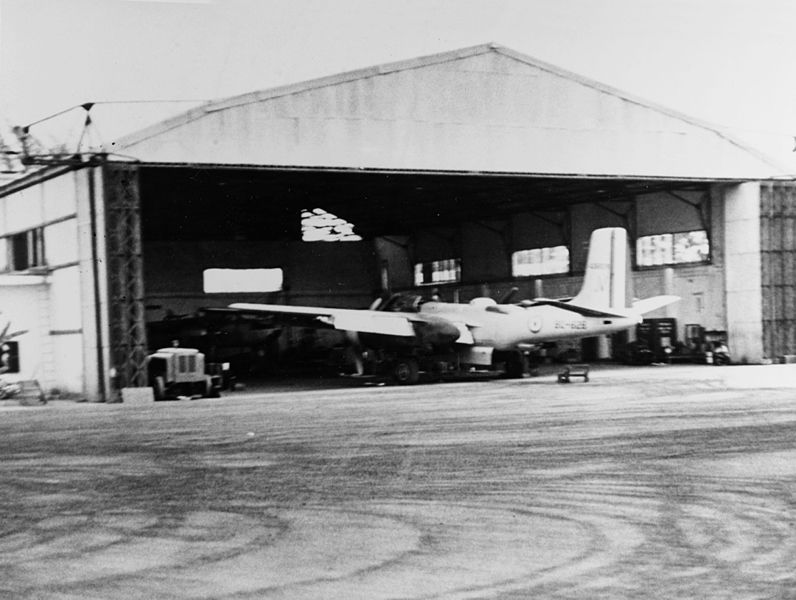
(357, 351)
(510, 295)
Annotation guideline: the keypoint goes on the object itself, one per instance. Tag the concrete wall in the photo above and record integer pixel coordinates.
(93, 284)
(66, 331)
(743, 271)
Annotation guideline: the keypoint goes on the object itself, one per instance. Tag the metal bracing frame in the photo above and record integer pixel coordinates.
(629, 221)
(451, 234)
(627, 216)
(702, 206)
(125, 274)
(563, 223)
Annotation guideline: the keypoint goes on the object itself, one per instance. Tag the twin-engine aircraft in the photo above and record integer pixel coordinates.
(407, 333)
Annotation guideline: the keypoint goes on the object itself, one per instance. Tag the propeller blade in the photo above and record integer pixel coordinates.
(357, 351)
(359, 362)
(509, 295)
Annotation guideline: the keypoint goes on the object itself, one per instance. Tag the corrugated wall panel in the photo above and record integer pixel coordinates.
(778, 263)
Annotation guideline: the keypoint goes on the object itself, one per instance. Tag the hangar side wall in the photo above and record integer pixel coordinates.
(315, 273)
(47, 299)
(24, 301)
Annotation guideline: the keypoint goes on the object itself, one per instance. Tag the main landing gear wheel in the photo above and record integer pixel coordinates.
(516, 365)
(406, 371)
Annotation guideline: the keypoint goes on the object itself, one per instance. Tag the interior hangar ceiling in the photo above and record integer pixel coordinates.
(207, 203)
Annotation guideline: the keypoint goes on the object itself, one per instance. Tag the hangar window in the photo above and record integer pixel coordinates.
(26, 250)
(447, 270)
(317, 225)
(540, 261)
(673, 248)
(230, 281)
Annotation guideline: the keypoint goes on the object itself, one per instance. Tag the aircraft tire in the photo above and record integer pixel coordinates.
(516, 365)
(406, 371)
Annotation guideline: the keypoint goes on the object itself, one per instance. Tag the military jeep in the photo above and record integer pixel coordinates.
(180, 372)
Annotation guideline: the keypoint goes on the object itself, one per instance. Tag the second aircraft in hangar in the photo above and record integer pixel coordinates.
(406, 334)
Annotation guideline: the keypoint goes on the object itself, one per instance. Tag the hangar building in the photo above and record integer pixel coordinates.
(469, 172)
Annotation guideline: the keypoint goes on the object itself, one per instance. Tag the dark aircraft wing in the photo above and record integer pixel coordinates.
(581, 310)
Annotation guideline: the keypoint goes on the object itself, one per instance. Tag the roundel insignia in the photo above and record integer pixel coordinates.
(534, 324)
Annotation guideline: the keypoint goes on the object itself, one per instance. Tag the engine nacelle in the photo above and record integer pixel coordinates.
(482, 302)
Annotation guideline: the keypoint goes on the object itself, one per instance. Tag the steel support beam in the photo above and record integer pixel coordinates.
(125, 275)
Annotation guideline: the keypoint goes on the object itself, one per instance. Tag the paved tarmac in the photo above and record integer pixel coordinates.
(657, 482)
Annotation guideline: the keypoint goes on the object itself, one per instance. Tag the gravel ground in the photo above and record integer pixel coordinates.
(659, 482)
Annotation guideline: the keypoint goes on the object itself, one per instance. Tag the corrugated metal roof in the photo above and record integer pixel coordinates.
(485, 108)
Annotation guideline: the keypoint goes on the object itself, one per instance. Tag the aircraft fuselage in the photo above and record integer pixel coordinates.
(508, 327)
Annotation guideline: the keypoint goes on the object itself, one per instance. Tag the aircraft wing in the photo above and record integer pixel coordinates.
(345, 319)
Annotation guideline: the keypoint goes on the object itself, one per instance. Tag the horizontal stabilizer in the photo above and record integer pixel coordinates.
(649, 304)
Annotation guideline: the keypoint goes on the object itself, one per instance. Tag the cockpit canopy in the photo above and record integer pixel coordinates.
(401, 303)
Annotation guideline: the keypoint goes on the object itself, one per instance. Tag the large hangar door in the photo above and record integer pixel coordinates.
(778, 261)
(125, 274)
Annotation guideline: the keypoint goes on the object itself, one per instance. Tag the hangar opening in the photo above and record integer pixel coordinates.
(457, 236)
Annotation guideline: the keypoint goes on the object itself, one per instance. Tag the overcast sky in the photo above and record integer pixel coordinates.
(726, 61)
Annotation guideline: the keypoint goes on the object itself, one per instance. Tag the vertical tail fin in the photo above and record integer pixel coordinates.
(605, 284)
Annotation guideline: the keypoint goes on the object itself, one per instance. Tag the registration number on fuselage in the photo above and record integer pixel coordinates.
(571, 325)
